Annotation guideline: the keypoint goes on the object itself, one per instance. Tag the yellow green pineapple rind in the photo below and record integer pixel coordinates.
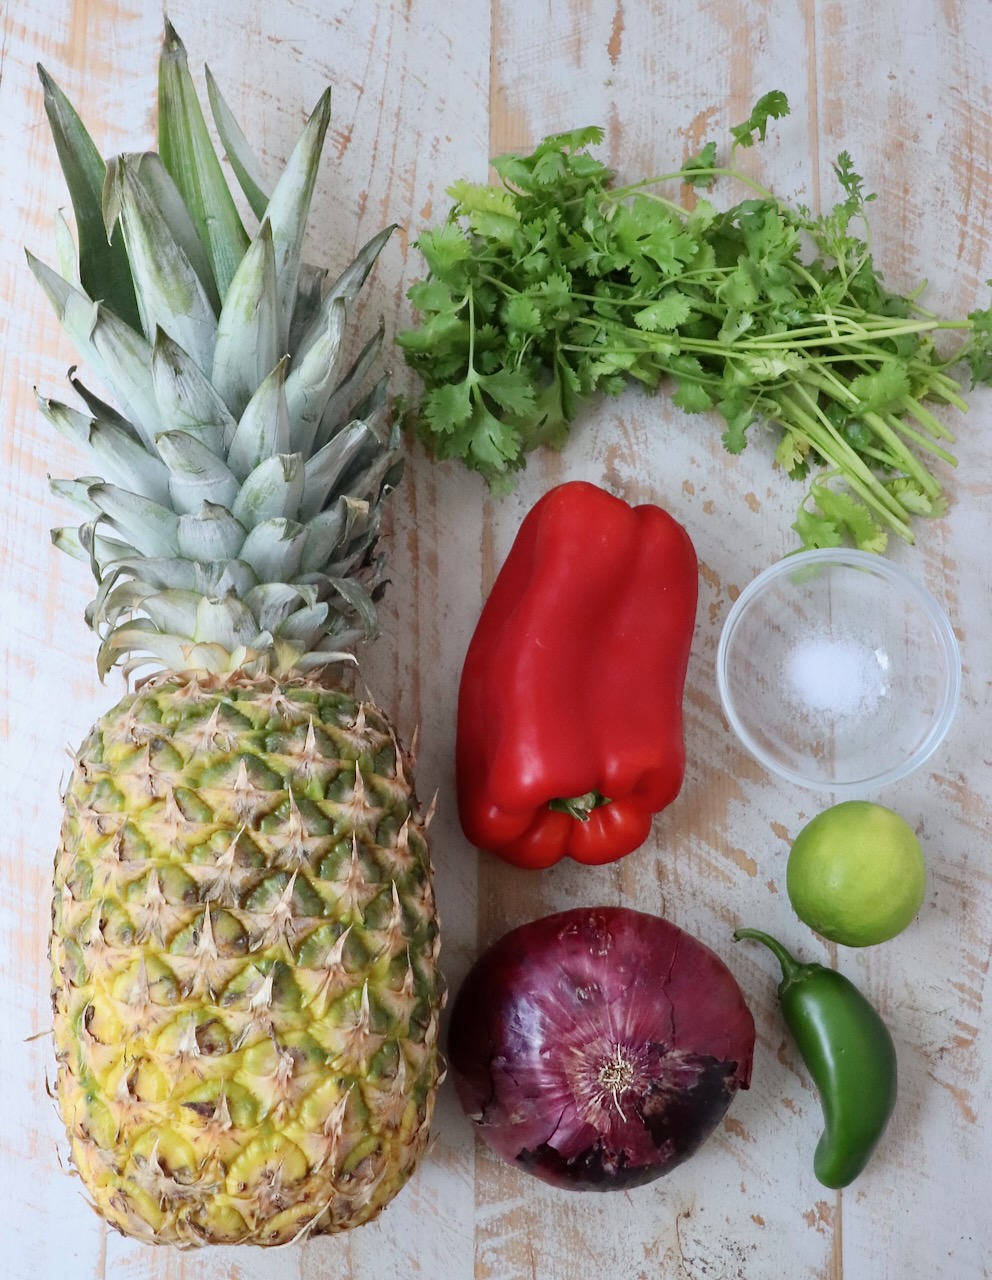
(245, 977)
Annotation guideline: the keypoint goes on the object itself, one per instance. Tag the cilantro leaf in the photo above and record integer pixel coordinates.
(672, 309)
(448, 406)
(851, 182)
(444, 249)
(770, 106)
(650, 237)
(691, 397)
(740, 290)
(554, 161)
(850, 517)
(979, 351)
(510, 389)
(738, 417)
(882, 391)
(816, 530)
(697, 170)
(432, 295)
(575, 139)
(438, 331)
(792, 454)
(521, 315)
(492, 445)
(553, 296)
(913, 499)
(490, 211)
(513, 169)
(734, 325)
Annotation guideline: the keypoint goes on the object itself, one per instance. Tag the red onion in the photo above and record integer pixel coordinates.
(598, 1048)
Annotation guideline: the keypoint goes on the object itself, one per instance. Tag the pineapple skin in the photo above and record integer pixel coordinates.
(244, 962)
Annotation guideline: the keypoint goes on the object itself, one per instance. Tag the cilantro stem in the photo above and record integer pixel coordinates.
(798, 269)
(948, 390)
(470, 297)
(792, 338)
(683, 175)
(926, 419)
(922, 442)
(832, 447)
(903, 457)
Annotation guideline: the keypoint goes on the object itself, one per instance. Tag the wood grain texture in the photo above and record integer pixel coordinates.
(423, 95)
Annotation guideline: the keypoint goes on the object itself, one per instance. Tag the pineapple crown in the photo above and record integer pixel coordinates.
(234, 521)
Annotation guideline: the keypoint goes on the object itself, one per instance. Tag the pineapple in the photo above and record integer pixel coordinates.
(244, 949)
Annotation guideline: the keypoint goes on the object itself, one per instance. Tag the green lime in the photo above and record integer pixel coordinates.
(856, 873)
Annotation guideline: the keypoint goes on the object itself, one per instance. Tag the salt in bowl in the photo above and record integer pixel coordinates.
(838, 671)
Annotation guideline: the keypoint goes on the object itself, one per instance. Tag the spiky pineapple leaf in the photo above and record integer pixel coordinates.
(112, 347)
(309, 296)
(351, 279)
(246, 168)
(289, 207)
(371, 408)
(274, 549)
(67, 539)
(142, 637)
(103, 267)
(316, 401)
(187, 399)
(247, 347)
(189, 156)
(209, 534)
(331, 529)
(304, 626)
(196, 474)
(171, 293)
(323, 472)
(163, 204)
(361, 604)
(102, 549)
(263, 430)
(228, 622)
(77, 492)
(65, 251)
(273, 603)
(173, 610)
(150, 528)
(122, 459)
(160, 575)
(338, 411)
(99, 407)
(274, 488)
(313, 375)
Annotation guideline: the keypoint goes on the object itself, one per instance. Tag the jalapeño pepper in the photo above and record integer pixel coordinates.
(849, 1053)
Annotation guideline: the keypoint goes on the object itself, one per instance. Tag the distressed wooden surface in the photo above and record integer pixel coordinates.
(423, 93)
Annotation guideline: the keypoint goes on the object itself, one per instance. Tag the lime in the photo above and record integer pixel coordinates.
(856, 873)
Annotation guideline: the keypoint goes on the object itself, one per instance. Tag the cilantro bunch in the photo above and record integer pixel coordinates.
(555, 285)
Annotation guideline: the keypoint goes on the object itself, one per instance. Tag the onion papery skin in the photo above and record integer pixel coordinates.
(598, 1048)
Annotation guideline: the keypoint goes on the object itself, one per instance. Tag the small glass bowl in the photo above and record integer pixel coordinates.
(838, 671)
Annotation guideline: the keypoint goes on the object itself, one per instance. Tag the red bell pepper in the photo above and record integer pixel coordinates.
(569, 732)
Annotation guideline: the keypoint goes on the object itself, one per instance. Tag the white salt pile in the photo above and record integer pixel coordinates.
(835, 676)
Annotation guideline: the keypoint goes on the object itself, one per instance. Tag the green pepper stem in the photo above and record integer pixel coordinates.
(791, 967)
(579, 806)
